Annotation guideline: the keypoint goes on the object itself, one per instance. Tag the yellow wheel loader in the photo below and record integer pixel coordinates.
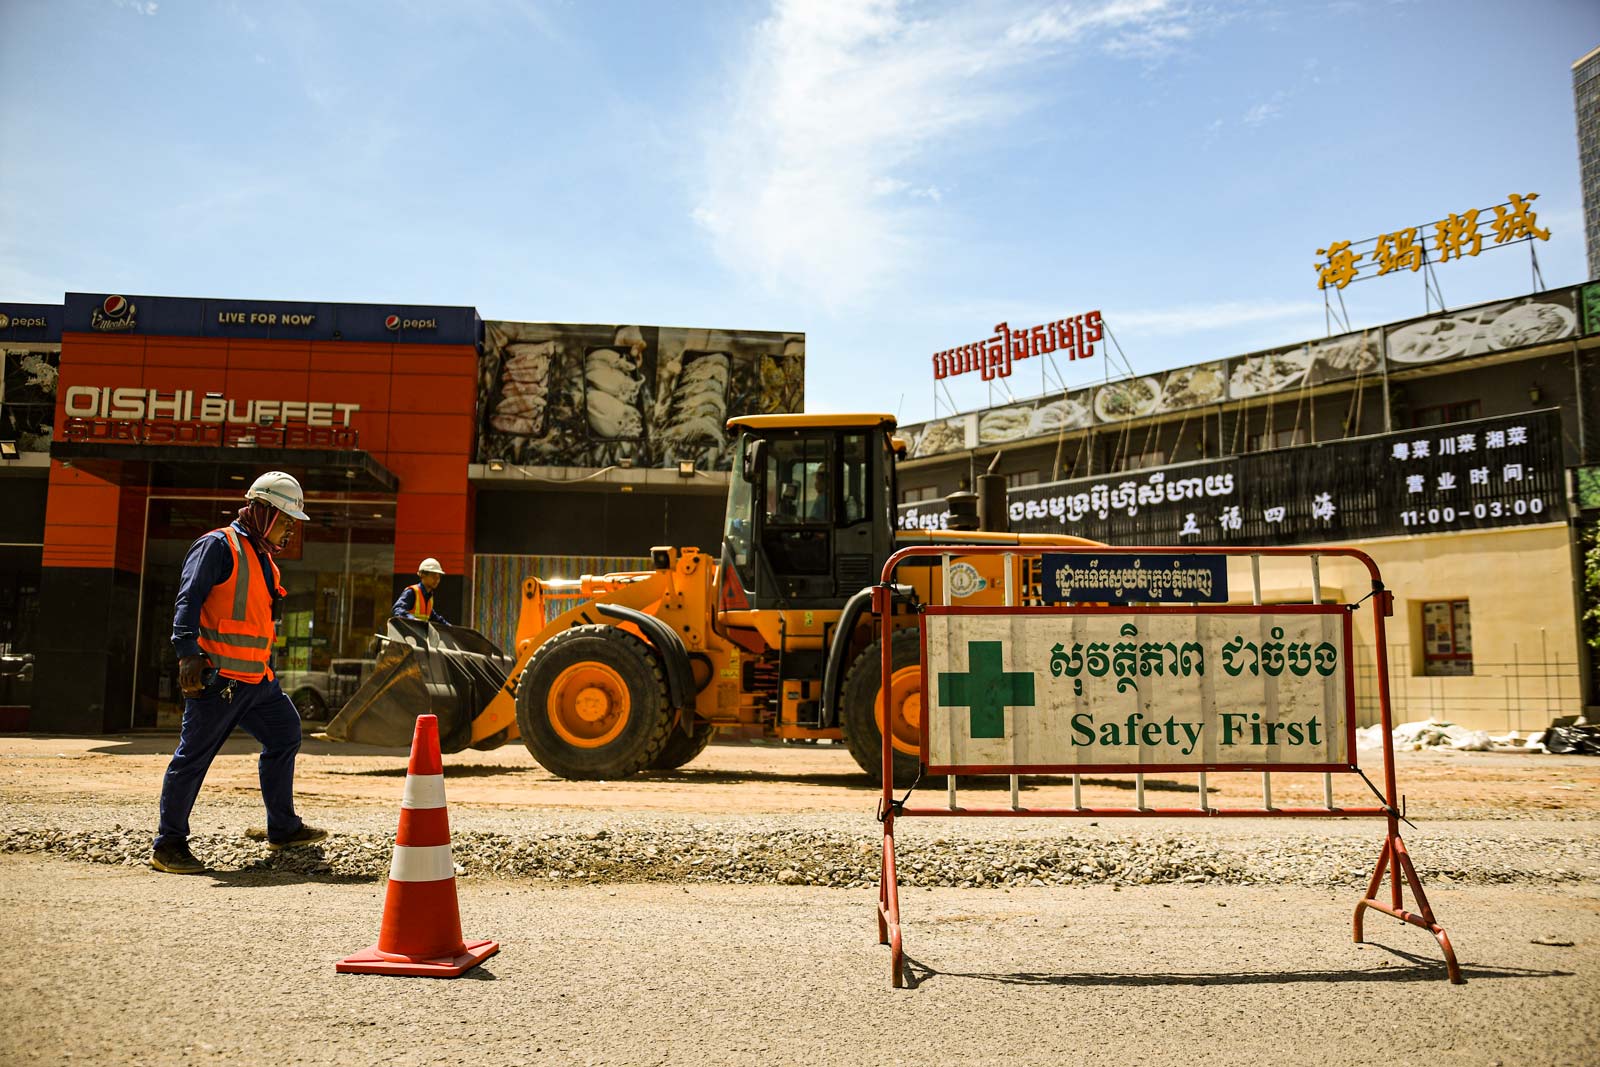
(771, 630)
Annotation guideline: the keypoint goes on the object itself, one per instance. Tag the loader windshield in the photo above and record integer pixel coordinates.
(737, 529)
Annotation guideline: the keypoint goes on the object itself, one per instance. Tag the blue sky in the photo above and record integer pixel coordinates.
(893, 178)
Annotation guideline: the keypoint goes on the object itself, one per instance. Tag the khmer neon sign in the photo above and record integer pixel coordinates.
(1074, 337)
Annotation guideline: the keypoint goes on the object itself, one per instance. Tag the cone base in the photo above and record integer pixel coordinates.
(370, 961)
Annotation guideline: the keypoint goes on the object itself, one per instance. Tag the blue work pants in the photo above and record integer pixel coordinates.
(267, 715)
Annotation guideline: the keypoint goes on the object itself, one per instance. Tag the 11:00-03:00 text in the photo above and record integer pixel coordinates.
(1483, 509)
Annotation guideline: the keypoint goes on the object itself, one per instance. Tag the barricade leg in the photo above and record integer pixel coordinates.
(1396, 861)
(889, 905)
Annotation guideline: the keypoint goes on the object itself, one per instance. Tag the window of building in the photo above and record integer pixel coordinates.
(1261, 442)
(920, 493)
(1446, 637)
(1016, 478)
(1153, 458)
(1439, 414)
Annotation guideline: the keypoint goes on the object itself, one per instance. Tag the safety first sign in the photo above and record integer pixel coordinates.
(1108, 689)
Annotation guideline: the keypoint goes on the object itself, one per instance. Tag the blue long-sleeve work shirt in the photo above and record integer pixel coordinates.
(209, 562)
(408, 601)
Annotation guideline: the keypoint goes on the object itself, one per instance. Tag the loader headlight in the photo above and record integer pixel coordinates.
(661, 558)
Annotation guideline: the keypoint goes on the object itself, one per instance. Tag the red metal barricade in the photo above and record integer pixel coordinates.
(1392, 859)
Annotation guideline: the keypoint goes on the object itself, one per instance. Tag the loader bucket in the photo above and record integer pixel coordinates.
(424, 669)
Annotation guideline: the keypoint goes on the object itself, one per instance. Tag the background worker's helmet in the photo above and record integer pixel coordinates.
(430, 566)
(282, 491)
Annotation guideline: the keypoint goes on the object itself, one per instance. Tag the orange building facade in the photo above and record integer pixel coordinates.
(167, 408)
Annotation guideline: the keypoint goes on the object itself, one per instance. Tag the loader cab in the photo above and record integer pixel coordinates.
(810, 508)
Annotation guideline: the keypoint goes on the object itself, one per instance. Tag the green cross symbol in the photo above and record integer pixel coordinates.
(987, 688)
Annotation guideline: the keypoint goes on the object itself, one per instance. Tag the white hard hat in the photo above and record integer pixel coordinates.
(282, 491)
(430, 566)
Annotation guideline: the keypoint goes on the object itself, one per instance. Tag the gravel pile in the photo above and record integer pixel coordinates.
(746, 855)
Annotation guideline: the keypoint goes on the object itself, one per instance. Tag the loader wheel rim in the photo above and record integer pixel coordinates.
(589, 705)
(905, 710)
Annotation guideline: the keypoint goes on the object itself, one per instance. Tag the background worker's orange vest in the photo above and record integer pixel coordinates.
(236, 628)
(422, 607)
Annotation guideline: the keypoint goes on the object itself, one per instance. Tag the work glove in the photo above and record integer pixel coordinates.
(191, 671)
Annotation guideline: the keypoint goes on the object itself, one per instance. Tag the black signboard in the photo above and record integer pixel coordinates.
(1076, 577)
(1469, 475)
(181, 316)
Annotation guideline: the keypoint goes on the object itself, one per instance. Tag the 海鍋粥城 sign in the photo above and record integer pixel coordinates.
(1107, 689)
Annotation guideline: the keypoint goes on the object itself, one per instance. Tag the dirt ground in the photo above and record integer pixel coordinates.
(744, 777)
(124, 966)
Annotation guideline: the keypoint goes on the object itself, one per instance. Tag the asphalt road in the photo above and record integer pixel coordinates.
(119, 965)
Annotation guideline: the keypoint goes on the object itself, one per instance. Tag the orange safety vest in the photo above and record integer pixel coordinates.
(236, 629)
(422, 607)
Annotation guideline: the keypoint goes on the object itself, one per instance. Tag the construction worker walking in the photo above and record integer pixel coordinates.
(416, 601)
(223, 629)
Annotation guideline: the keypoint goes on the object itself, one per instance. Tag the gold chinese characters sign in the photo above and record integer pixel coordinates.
(1452, 237)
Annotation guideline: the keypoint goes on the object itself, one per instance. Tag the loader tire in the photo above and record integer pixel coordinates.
(860, 715)
(592, 704)
(682, 748)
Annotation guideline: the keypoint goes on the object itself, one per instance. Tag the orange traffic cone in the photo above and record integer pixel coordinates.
(421, 930)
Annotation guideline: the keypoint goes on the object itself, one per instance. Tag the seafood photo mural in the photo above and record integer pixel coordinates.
(1544, 318)
(1532, 320)
(28, 395)
(554, 394)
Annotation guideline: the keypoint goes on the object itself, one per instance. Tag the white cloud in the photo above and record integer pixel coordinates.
(138, 7)
(1227, 315)
(811, 179)
(1261, 113)
(1130, 27)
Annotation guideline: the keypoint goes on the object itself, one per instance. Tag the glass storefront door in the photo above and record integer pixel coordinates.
(338, 570)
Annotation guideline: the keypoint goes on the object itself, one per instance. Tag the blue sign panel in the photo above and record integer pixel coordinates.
(1090, 578)
(30, 322)
(271, 320)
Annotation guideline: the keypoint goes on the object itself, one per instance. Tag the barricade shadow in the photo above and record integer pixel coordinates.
(1416, 969)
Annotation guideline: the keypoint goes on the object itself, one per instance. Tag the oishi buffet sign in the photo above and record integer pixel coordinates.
(150, 416)
(1105, 689)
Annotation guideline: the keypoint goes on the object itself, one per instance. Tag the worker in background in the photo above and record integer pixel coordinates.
(223, 628)
(416, 601)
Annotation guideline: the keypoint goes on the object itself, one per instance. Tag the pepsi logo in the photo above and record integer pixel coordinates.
(5, 320)
(115, 314)
(392, 322)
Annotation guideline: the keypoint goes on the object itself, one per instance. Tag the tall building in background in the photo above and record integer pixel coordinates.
(1586, 102)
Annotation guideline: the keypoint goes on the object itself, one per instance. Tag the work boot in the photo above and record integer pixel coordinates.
(306, 835)
(174, 857)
